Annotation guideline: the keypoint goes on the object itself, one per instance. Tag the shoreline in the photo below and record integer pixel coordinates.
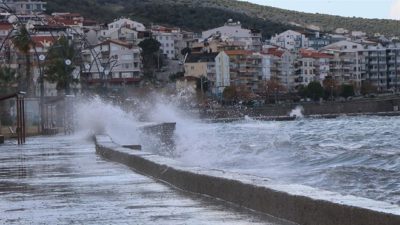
(297, 203)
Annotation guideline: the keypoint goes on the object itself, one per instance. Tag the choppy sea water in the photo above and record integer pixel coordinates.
(350, 155)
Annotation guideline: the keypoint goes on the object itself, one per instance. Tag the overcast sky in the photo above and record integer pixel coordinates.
(382, 9)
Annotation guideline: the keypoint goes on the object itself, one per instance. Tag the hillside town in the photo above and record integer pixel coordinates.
(229, 63)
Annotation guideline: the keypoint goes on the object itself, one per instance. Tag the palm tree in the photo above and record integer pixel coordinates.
(7, 80)
(23, 42)
(60, 65)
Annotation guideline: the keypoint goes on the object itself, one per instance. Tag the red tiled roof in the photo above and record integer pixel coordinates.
(275, 52)
(5, 26)
(238, 52)
(313, 54)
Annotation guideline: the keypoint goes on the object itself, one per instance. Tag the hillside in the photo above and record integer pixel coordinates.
(198, 15)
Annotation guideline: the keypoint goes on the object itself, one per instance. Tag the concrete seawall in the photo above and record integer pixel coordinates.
(354, 107)
(297, 203)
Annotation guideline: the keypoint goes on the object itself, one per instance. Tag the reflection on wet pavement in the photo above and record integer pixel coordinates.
(61, 180)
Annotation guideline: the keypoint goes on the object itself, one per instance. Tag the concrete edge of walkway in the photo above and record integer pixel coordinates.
(297, 203)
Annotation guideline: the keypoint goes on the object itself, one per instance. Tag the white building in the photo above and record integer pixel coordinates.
(312, 66)
(167, 41)
(234, 31)
(127, 23)
(222, 73)
(115, 62)
(26, 6)
(347, 63)
(122, 26)
(290, 40)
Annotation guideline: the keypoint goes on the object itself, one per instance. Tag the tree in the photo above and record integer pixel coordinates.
(22, 41)
(315, 91)
(60, 64)
(330, 87)
(347, 90)
(8, 80)
(272, 88)
(186, 51)
(243, 93)
(229, 94)
(151, 56)
(202, 84)
(368, 88)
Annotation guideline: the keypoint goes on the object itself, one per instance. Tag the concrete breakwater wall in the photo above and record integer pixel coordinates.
(296, 203)
(371, 106)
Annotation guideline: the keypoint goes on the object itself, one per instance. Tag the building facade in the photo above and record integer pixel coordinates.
(112, 63)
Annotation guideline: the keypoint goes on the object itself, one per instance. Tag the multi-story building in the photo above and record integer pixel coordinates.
(112, 63)
(222, 73)
(312, 66)
(171, 40)
(290, 40)
(123, 29)
(26, 6)
(127, 23)
(234, 31)
(201, 65)
(245, 70)
(346, 66)
(282, 67)
(318, 41)
(382, 67)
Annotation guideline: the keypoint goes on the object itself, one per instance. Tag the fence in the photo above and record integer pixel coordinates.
(55, 115)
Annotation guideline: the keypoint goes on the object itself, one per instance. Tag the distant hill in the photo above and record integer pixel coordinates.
(199, 15)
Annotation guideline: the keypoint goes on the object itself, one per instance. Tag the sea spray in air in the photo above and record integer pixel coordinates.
(95, 116)
(297, 112)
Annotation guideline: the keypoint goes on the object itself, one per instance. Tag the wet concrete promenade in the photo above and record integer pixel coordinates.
(61, 180)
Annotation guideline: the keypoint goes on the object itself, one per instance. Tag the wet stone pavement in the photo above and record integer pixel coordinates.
(60, 180)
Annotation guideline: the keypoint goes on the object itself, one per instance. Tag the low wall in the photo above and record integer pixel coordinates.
(371, 106)
(297, 203)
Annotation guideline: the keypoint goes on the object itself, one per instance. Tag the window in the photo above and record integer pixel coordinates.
(127, 57)
(126, 65)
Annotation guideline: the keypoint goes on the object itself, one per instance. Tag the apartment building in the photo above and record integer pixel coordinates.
(312, 66)
(233, 31)
(346, 66)
(290, 40)
(222, 73)
(26, 6)
(112, 62)
(171, 40)
(124, 30)
(282, 67)
(382, 67)
(245, 69)
(201, 65)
